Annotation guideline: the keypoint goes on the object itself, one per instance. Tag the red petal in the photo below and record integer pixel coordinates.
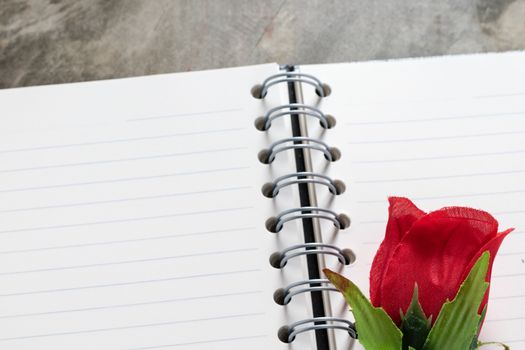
(434, 254)
(402, 214)
(492, 247)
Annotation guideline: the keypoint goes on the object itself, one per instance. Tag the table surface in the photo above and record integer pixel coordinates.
(58, 41)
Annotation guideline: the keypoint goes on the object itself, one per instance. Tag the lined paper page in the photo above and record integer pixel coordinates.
(441, 131)
(131, 215)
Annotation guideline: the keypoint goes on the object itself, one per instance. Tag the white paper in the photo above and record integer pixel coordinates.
(441, 131)
(131, 215)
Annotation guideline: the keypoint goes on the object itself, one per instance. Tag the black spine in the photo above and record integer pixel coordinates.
(318, 306)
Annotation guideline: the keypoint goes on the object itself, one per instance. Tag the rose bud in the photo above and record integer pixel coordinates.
(435, 250)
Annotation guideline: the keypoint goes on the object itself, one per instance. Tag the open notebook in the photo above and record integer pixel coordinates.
(132, 215)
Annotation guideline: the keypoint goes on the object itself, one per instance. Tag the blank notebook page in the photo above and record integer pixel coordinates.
(441, 131)
(131, 216)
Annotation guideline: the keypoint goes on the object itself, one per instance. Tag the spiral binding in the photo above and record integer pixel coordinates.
(267, 156)
(276, 223)
(260, 91)
(265, 122)
(288, 333)
(279, 259)
(283, 296)
(271, 189)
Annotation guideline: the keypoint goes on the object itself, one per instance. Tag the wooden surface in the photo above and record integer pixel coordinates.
(56, 41)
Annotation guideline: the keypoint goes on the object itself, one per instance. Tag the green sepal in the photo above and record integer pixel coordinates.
(458, 320)
(415, 325)
(375, 329)
(475, 342)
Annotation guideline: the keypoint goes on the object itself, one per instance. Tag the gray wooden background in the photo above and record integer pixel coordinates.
(57, 41)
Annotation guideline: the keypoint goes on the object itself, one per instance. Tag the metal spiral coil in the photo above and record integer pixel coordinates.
(260, 91)
(275, 223)
(279, 259)
(298, 110)
(265, 122)
(267, 156)
(287, 333)
(271, 189)
(283, 296)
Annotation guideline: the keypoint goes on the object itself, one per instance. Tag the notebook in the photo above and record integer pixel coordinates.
(195, 210)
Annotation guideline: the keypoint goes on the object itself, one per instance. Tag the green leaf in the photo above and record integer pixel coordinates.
(458, 320)
(415, 325)
(375, 328)
(475, 342)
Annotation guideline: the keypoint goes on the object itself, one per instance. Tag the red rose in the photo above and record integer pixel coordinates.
(435, 250)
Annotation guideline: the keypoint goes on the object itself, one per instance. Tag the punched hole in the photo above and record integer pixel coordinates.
(279, 295)
(335, 153)
(283, 334)
(330, 121)
(344, 221)
(256, 91)
(267, 189)
(340, 187)
(264, 156)
(327, 90)
(260, 123)
(349, 255)
(275, 260)
(271, 224)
